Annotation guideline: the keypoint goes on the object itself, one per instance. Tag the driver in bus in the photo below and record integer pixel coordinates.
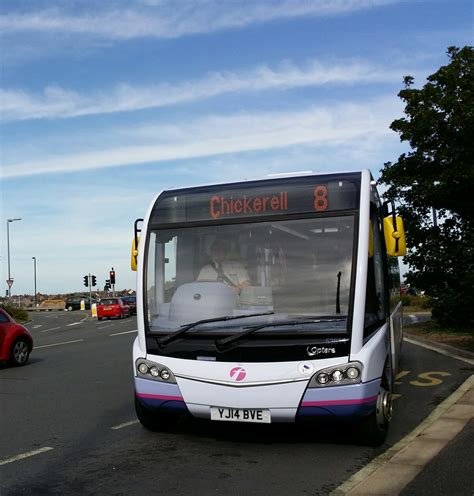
(231, 272)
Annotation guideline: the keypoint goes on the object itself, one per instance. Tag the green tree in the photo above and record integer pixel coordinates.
(434, 185)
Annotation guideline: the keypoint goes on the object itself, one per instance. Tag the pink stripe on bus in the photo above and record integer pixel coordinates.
(340, 402)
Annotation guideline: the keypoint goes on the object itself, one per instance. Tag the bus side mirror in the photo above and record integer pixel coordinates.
(134, 257)
(394, 235)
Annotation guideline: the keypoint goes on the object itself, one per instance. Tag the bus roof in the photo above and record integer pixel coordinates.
(268, 177)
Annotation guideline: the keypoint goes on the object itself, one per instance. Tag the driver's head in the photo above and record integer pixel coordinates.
(218, 250)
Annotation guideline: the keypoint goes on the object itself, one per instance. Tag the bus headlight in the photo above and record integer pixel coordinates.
(143, 368)
(352, 373)
(337, 375)
(146, 369)
(165, 374)
(154, 371)
(322, 378)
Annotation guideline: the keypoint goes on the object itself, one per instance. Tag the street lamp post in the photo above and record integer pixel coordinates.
(34, 261)
(8, 253)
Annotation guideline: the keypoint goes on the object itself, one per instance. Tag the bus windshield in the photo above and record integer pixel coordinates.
(268, 270)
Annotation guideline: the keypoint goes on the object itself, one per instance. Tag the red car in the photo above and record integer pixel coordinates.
(112, 307)
(16, 341)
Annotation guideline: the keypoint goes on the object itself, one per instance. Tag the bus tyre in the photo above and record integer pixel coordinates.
(154, 421)
(373, 429)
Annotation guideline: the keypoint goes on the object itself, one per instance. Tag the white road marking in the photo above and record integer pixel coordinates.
(120, 333)
(52, 329)
(37, 326)
(58, 344)
(126, 424)
(26, 455)
(104, 327)
(74, 323)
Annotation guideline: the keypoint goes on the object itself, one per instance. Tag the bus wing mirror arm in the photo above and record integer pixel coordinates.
(136, 231)
(135, 242)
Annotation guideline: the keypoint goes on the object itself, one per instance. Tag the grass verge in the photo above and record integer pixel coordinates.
(463, 339)
(415, 309)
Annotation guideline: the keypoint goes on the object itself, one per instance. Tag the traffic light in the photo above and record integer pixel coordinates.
(86, 281)
(112, 277)
(93, 281)
(107, 284)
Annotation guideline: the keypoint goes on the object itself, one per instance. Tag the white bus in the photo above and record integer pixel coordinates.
(274, 300)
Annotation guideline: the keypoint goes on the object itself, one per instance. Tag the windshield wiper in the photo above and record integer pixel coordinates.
(225, 344)
(175, 335)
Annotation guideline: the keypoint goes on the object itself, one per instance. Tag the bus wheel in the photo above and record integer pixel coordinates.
(154, 421)
(373, 429)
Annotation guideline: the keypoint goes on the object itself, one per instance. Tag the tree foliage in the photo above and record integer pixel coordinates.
(434, 185)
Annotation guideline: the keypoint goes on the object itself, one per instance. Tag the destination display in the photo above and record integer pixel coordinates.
(306, 194)
(225, 206)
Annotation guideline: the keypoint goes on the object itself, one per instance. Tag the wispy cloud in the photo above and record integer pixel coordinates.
(215, 135)
(57, 102)
(175, 18)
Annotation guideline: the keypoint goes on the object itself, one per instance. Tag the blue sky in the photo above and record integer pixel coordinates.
(105, 103)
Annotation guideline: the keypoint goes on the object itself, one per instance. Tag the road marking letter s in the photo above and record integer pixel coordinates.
(429, 379)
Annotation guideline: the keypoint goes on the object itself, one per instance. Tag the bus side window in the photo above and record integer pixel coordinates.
(375, 305)
(170, 264)
(394, 280)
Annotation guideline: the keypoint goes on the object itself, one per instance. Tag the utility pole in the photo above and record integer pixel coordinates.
(9, 280)
(34, 260)
(435, 217)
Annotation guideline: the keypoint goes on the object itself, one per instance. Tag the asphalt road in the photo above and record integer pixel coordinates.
(68, 425)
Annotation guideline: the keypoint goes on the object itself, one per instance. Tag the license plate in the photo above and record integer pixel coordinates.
(240, 415)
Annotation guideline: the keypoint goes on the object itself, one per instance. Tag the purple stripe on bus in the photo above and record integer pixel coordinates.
(147, 386)
(342, 393)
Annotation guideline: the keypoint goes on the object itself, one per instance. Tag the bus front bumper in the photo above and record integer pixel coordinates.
(288, 402)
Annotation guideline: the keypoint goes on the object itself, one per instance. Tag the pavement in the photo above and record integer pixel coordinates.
(436, 457)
